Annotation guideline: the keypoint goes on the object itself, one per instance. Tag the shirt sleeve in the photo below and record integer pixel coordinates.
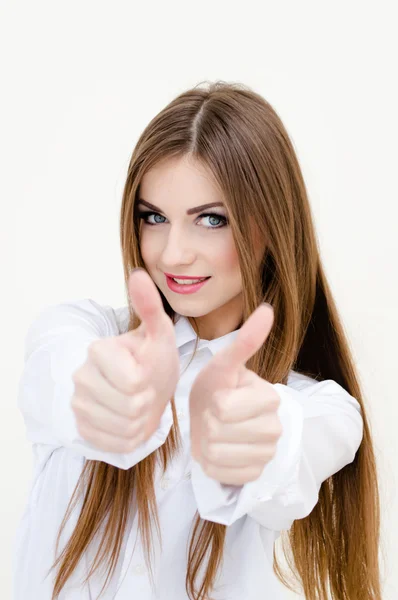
(56, 346)
(322, 429)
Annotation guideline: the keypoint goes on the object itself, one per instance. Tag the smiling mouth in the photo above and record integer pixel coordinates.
(185, 288)
(182, 277)
(187, 280)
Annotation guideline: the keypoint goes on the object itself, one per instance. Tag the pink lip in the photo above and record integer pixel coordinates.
(184, 288)
(184, 276)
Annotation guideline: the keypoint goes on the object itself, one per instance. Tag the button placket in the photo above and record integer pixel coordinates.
(133, 569)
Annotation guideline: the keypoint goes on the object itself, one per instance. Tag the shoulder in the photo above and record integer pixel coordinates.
(83, 313)
(327, 394)
(313, 386)
(299, 381)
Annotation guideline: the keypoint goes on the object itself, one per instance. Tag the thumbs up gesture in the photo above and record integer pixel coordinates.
(127, 380)
(234, 425)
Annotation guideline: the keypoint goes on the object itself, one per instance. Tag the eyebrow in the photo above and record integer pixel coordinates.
(190, 211)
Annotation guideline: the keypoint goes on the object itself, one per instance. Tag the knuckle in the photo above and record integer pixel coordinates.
(81, 407)
(276, 430)
(269, 452)
(79, 376)
(134, 440)
(95, 349)
(220, 408)
(211, 426)
(212, 453)
(74, 402)
(132, 427)
(84, 430)
(132, 410)
(126, 447)
(257, 471)
(128, 383)
(77, 403)
(269, 428)
(207, 468)
(132, 379)
(132, 444)
(253, 474)
(274, 401)
(136, 406)
(84, 382)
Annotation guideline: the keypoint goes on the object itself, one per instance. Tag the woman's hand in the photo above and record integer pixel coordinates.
(127, 380)
(233, 412)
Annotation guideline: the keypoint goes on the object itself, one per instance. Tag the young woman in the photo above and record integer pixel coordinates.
(197, 409)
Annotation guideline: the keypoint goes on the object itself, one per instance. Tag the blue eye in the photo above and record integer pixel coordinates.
(144, 215)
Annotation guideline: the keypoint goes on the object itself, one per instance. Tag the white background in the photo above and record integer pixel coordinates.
(80, 81)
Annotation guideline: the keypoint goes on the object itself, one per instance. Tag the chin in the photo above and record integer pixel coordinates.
(190, 313)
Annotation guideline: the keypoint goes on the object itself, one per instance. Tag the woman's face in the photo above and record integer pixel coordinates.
(175, 242)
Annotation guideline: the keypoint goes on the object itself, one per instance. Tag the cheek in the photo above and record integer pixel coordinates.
(226, 257)
(148, 248)
(231, 259)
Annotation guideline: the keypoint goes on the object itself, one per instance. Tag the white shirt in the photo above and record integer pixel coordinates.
(322, 430)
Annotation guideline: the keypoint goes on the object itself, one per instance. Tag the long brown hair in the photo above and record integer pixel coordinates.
(241, 139)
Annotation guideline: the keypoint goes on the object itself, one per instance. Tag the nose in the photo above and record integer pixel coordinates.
(178, 249)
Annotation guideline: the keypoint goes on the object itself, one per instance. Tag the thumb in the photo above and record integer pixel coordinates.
(146, 302)
(230, 361)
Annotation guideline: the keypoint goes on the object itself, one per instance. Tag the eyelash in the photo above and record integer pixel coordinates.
(145, 214)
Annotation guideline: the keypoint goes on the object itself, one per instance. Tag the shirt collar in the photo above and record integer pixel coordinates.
(186, 337)
(185, 334)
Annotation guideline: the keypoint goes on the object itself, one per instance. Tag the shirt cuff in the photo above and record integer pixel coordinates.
(222, 503)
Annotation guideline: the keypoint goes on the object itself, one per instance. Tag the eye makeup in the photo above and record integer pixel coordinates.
(144, 215)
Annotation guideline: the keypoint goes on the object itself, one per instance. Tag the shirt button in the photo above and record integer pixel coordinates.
(139, 569)
(164, 483)
(180, 414)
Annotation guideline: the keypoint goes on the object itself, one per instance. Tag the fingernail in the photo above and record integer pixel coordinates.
(268, 304)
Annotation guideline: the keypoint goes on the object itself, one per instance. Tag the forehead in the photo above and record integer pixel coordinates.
(183, 180)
